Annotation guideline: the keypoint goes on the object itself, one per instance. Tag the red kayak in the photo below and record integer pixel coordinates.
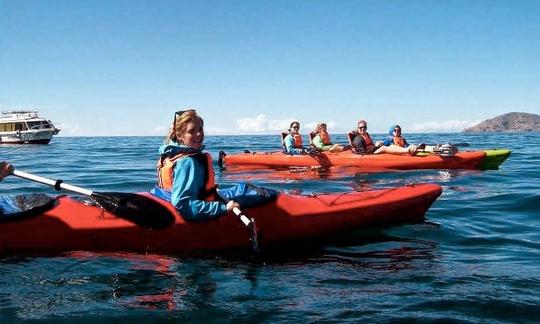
(71, 225)
(476, 160)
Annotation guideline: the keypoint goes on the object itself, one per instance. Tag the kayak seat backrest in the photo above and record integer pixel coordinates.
(283, 135)
(311, 137)
(351, 136)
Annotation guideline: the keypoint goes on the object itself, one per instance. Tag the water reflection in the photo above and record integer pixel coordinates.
(361, 181)
(197, 281)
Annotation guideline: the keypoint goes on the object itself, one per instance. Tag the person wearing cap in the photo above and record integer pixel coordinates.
(395, 137)
(396, 143)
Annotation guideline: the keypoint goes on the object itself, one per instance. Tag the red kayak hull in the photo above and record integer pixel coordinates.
(369, 162)
(73, 226)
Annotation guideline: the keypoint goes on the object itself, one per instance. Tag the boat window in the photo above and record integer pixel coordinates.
(34, 125)
(7, 127)
(19, 127)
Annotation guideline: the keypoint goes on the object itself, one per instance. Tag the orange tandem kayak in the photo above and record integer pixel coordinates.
(476, 160)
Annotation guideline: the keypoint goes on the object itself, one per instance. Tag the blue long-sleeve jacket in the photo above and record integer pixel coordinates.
(289, 146)
(189, 178)
(389, 140)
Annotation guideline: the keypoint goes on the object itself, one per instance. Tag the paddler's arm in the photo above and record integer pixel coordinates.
(388, 141)
(318, 143)
(189, 178)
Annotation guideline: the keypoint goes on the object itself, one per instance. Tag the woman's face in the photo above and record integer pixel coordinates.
(194, 134)
(397, 131)
(295, 128)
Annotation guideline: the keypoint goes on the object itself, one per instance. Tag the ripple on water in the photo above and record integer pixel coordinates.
(475, 259)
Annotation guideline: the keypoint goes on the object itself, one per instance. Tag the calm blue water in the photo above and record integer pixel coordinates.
(477, 258)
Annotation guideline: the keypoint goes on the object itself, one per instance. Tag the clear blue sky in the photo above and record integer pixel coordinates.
(124, 67)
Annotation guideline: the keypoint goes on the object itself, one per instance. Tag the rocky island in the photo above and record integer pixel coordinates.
(511, 122)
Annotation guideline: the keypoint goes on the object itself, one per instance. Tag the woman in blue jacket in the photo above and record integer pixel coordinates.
(186, 175)
(395, 138)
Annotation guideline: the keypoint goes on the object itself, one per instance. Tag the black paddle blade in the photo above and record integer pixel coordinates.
(253, 236)
(138, 209)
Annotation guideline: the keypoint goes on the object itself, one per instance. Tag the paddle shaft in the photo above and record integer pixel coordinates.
(248, 222)
(57, 184)
(236, 211)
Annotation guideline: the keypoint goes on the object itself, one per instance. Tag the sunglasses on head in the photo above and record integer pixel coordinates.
(397, 129)
(179, 113)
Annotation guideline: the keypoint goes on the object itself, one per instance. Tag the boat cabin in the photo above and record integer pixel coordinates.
(19, 127)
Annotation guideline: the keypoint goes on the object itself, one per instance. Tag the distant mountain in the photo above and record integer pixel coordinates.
(511, 122)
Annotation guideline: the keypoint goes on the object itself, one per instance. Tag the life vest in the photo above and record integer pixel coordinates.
(399, 141)
(325, 137)
(165, 173)
(367, 141)
(297, 140)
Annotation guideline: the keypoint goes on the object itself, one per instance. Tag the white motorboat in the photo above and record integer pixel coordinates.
(25, 127)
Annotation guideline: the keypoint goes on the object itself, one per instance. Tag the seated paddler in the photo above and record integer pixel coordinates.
(292, 142)
(396, 143)
(362, 143)
(395, 137)
(186, 175)
(321, 140)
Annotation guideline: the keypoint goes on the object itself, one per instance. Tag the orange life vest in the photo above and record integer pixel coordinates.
(297, 140)
(399, 141)
(325, 137)
(165, 173)
(367, 141)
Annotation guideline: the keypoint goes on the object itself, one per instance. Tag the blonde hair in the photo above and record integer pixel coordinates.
(180, 124)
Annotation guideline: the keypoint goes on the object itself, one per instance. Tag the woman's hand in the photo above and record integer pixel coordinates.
(232, 204)
(5, 169)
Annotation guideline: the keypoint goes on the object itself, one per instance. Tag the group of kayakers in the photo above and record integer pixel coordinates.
(186, 176)
(360, 141)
